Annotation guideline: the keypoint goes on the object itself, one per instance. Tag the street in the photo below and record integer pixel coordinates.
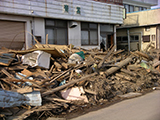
(146, 107)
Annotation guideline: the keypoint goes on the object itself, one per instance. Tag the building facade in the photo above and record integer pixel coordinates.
(84, 23)
(140, 29)
(138, 5)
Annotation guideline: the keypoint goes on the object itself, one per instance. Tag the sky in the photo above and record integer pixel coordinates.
(157, 5)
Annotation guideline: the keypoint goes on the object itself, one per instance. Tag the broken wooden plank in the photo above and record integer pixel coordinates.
(108, 54)
(26, 89)
(123, 76)
(90, 91)
(128, 72)
(14, 85)
(120, 65)
(66, 85)
(7, 73)
(57, 99)
(144, 55)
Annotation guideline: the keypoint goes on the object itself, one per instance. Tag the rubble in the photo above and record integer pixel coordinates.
(59, 78)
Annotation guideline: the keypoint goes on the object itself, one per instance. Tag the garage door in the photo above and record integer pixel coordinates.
(12, 34)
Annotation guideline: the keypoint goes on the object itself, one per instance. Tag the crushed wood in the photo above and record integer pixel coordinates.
(103, 76)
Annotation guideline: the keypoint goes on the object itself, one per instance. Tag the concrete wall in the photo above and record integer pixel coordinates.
(149, 17)
(74, 35)
(91, 11)
(39, 28)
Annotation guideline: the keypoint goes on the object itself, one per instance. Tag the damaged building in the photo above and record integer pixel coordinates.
(83, 23)
(140, 27)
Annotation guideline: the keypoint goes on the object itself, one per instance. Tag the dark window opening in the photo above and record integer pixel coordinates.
(146, 38)
(89, 34)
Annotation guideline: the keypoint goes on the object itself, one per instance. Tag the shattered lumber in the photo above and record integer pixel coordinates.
(128, 72)
(109, 53)
(66, 85)
(120, 65)
(121, 73)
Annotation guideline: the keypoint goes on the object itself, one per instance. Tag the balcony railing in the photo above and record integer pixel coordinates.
(119, 2)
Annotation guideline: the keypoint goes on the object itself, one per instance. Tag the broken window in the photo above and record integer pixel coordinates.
(89, 34)
(57, 31)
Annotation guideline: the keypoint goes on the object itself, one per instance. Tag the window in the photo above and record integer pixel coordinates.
(89, 34)
(119, 39)
(124, 38)
(57, 31)
(126, 7)
(131, 8)
(134, 38)
(146, 38)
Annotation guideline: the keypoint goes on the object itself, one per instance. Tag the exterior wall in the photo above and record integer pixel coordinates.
(37, 24)
(74, 35)
(143, 18)
(150, 32)
(140, 31)
(91, 11)
(39, 28)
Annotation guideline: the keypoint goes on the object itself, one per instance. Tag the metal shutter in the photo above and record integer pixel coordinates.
(12, 34)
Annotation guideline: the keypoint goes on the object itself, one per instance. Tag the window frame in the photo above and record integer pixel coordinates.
(89, 37)
(146, 38)
(55, 27)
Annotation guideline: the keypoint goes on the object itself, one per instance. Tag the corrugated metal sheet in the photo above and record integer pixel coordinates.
(12, 34)
(91, 10)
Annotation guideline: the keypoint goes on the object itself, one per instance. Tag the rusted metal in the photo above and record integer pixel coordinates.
(119, 2)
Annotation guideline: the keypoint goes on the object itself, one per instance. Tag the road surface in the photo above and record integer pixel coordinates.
(146, 107)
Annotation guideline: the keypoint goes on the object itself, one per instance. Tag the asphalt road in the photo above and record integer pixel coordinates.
(146, 107)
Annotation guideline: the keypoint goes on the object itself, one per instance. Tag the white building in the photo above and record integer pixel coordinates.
(82, 23)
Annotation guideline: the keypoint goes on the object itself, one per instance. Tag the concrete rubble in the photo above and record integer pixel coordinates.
(60, 79)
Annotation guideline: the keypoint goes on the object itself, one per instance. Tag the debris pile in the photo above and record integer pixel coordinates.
(49, 80)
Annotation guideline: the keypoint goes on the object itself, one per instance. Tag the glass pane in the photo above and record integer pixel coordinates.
(92, 25)
(103, 38)
(136, 8)
(84, 25)
(61, 23)
(93, 38)
(106, 28)
(84, 38)
(50, 22)
(127, 8)
(131, 8)
(136, 37)
(144, 8)
(131, 37)
(124, 38)
(118, 39)
(61, 37)
(50, 33)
